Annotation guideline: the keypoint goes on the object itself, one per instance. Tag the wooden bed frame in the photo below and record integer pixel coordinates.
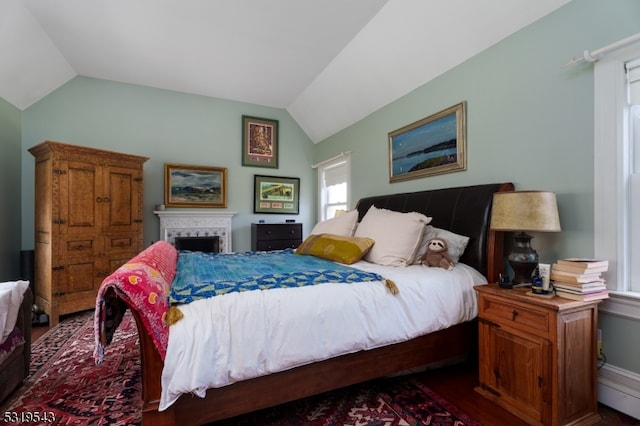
(463, 210)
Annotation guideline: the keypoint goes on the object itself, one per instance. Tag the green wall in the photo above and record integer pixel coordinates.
(10, 217)
(529, 121)
(620, 342)
(168, 127)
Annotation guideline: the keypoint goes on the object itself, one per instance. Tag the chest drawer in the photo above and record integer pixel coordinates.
(277, 231)
(276, 245)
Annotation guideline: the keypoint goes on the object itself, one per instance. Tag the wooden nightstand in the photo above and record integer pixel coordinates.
(275, 236)
(538, 355)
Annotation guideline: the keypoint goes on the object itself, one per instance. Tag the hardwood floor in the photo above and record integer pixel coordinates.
(37, 331)
(456, 384)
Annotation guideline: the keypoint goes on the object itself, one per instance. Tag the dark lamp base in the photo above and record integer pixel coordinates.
(522, 271)
(523, 258)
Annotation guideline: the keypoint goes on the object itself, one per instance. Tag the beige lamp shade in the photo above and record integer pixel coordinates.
(525, 211)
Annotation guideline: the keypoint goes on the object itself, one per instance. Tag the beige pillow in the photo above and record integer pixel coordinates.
(344, 224)
(456, 243)
(337, 248)
(397, 235)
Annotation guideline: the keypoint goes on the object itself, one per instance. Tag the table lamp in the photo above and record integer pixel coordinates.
(522, 211)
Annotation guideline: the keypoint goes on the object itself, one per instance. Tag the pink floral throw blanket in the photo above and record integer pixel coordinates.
(142, 284)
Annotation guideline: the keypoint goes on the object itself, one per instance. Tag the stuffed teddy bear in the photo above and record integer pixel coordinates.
(437, 255)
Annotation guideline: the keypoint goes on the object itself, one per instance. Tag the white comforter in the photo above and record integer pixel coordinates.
(239, 336)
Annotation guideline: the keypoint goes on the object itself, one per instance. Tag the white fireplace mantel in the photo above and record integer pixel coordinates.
(191, 223)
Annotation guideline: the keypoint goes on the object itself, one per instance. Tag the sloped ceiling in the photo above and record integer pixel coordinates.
(329, 63)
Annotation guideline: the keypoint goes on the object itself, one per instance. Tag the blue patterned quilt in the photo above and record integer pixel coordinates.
(200, 275)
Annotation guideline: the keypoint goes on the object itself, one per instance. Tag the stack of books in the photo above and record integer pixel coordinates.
(580, 279)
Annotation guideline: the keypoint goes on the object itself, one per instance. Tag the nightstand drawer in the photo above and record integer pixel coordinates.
(519, 316)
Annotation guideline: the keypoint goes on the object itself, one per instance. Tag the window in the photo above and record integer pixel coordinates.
(617, 170)
(633, 82)
(333, 185)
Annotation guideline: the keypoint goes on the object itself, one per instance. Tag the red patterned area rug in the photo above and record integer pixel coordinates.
(401, 401)
(65, 382)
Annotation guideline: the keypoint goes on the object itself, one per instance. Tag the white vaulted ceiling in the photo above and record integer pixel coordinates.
(328, 62)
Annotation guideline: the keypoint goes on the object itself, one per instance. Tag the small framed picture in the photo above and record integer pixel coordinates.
(275, 194)
(195, 186)
(259, 142)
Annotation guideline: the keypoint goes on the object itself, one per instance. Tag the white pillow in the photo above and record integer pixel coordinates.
(456, 243)
(5, 304)
(343, 225)
(397, 235)
(17, 289)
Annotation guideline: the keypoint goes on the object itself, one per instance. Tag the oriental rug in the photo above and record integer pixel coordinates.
(65, 383)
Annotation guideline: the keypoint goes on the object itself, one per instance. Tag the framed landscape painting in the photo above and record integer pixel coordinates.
(275, 194)
(195, 186)
(431, 146)
(259, 142)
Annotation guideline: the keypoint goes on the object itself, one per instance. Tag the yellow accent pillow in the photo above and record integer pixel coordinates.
(336, 248)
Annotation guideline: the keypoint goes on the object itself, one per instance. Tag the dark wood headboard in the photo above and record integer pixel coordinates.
(464, 210)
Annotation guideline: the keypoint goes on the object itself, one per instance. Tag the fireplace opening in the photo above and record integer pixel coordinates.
(210, 244)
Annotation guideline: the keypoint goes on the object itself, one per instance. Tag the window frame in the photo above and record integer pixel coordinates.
(612, 152)
(327, 164)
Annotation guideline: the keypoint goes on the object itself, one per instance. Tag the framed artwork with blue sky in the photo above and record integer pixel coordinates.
(431, 146)
(195, 186)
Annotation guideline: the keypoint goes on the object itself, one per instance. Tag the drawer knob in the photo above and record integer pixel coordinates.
(514, 314)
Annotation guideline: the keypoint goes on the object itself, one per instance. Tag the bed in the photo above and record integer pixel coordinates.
(462, 210)
(16, 301)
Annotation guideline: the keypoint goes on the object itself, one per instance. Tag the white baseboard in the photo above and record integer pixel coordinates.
(619, 389)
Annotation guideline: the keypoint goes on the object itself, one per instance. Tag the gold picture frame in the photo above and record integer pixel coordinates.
(434, 145)
(195, 186)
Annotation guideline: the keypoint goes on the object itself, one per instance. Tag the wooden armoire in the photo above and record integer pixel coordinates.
(88, 222)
